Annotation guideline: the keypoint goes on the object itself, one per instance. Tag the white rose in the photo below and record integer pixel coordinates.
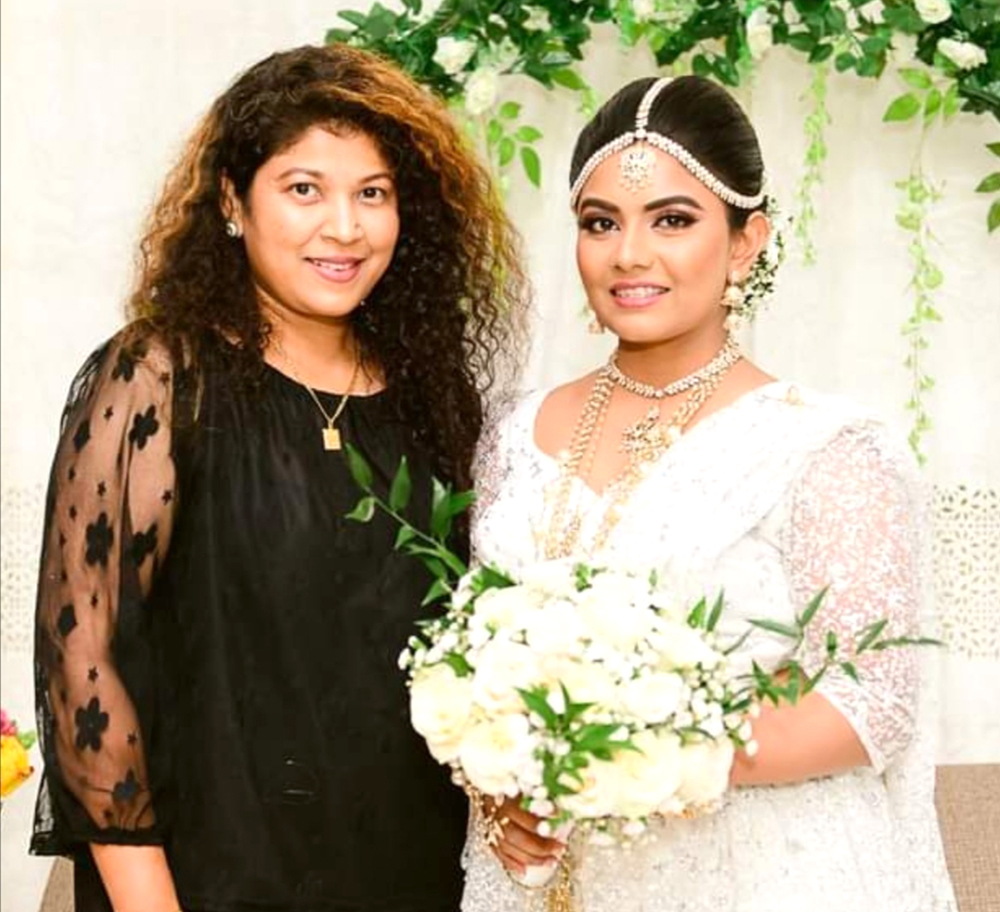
(586, 682)
(452, 54)
(555, 629)
(598, 797)
(481, 90)
(504, 54)
(616, 611)
(652, 697)
(440, 706)
(647, 780)
(705, 771)
(551, 578)
(933, 11)
(759, 35)
(493, 753)
(503, 609)
(503, 667)
(681, 646)
(964, 54)
(538, 20)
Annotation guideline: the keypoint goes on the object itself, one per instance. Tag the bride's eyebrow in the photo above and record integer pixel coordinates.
(672, 201)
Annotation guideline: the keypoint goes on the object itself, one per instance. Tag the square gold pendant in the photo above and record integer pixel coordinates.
(331, 438)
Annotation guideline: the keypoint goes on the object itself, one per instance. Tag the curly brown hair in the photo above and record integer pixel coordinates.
(445, 321)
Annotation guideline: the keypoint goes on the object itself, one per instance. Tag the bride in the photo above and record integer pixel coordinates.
(681, 454)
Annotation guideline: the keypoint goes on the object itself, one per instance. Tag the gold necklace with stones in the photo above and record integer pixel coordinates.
(644, 442)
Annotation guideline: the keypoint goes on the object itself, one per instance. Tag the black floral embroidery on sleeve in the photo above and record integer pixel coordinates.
(72, 511)
(125, 367)
(93, 674)
(71, 474)
(67, 620)
(94, 599)
(90, 724)
(82, 435)
(144, 426)
(143, 544)
(127, 789)
(109, 413)
(102, 489)
(100, 537)
(167, 496)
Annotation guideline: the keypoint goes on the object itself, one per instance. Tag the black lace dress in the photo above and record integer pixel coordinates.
(217, 646)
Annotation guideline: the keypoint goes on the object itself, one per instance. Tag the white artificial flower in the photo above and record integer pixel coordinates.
(452, 54)
(440, 707)
(964, 54)
(503, 55)
(538, 20)
(503, 667)
(647, 778)
(933, 11)
(791, 14)
(493, 752)
(652, 697)
(644, 10)
(481, 90)
(903, 50)
(681, 646)
(705, 771)
(760, 38)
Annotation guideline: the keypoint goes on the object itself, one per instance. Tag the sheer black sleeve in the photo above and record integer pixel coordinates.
(108, 521)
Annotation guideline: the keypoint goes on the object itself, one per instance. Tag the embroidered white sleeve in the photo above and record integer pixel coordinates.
(852, 527)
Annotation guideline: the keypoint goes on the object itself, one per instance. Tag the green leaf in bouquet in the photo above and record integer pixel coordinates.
(870, 634)
(360, 471)
(583, 575)
(989, 184)
(903, 108)
(848, 669)
(715, 613)
(449, 562)
(813, 607)
(696, 617)
(737, 643)
(509, 110)
(764, 684)
(364, 511)
(440, 514)
(537, 703)
(488, 577)
(785, 630)
(459, 664)
(439, 589)
(402, 487)
(831, 644)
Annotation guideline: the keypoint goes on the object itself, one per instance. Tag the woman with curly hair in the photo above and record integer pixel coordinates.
(223, 723)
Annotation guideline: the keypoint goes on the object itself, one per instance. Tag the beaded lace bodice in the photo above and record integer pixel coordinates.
(770, 499)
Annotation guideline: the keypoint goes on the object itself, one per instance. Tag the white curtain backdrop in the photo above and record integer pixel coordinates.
(97, 98)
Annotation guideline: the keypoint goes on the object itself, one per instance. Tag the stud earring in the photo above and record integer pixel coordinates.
(232, 229)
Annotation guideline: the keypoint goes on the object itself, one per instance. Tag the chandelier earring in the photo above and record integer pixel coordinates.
(733, 298)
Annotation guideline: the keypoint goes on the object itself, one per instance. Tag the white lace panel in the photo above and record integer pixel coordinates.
(852, 527)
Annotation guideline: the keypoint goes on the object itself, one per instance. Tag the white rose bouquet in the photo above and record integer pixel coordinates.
(601, 698)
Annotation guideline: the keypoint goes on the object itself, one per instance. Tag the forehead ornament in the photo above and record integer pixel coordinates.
(638, 162)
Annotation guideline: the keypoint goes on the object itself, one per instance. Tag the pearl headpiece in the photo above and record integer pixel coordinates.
(637, 165)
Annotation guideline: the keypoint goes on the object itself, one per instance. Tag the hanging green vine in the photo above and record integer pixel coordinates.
(815, 129)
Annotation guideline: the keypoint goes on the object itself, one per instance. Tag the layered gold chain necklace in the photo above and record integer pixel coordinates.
(644, 442)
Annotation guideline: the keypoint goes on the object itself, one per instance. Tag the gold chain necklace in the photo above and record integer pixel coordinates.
(331, 434)
(644, 442)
